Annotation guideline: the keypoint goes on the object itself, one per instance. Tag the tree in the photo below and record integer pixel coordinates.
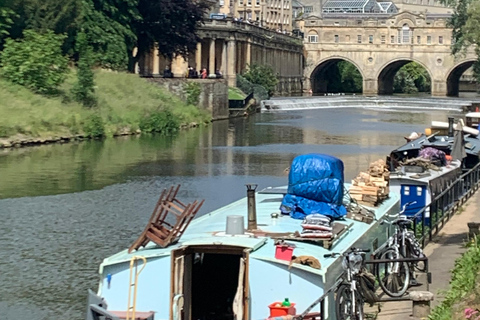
(351, 78)
(262, 75)
(6, 20)
(36, 61)
(411, 78)
(109, 25)
(169, 24)
(84, 88)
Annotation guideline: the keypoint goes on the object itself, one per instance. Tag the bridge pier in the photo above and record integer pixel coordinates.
(439, 88)
(370, 87)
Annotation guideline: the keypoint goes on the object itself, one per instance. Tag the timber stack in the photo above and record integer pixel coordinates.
(371, 187)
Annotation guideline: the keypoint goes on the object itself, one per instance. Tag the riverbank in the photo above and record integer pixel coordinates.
(126, 103)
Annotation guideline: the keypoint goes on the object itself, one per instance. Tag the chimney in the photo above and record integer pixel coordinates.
(252, 210)
(450, 126)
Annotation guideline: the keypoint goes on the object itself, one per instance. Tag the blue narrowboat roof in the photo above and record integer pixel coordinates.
(209, 229)
(411, 177)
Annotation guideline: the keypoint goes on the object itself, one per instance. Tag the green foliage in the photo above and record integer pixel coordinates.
(160, 121)
(84, 88)
(109, 28)
(170, 25)
(259, 92)
(36, 61)
(192, 92)
(350, 77)
(464, 276)
(411, 78)
(235, 94)
(93, 126)
(6, 20)
(262, 75)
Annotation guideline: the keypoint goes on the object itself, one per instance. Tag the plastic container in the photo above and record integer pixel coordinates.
(284, 252)
(277, 310)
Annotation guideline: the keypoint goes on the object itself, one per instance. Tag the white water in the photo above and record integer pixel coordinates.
(327, 102)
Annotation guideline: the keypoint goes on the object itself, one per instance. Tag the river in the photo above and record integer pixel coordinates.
(64, 208)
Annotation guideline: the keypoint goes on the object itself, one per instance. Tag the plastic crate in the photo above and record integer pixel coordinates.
(284, 252)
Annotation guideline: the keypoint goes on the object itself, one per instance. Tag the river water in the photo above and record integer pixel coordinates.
(63, 208)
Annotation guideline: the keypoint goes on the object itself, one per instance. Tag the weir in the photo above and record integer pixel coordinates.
(325, 102)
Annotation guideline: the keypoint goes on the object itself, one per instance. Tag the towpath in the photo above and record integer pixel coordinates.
(442, 253)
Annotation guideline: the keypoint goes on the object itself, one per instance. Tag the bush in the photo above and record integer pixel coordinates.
(36, 61)
(160, 121)
(262, 75)
(192, 91)
(93, 126)
(84, 89)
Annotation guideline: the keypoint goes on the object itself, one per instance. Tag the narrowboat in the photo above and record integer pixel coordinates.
(244, 260)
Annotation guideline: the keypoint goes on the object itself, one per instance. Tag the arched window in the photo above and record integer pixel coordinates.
(312, 36)
(406, 34)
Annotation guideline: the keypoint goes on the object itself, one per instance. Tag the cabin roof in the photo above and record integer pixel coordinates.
(209, 230)
(411, 177)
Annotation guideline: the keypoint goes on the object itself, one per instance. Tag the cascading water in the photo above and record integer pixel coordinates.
(324, 102)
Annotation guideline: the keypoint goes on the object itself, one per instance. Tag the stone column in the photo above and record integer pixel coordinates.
(231, 62)
(264, 55)
(198, 57)
(156, 62)
(223, 68)
(211, 62)
(439, 88)
(179, 67)
(248, 54)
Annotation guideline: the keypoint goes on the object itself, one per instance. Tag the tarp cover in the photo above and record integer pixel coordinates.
(315, 185)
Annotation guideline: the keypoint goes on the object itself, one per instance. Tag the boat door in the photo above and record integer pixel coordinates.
(416, 193)
(242, 296)
(180, 282)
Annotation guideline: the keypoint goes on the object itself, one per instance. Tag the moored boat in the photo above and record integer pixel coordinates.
(215, 268)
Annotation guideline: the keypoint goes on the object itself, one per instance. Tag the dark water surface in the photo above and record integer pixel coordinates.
(64, 208)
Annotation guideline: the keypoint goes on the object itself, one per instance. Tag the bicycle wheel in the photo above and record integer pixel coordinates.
(393, 277)
(344, 305)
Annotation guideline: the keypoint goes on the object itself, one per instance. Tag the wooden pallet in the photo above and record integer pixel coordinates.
(338, 230)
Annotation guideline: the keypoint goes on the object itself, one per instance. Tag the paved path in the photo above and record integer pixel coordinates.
(442, 253)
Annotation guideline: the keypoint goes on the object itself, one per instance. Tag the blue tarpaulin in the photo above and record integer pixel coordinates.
(315, 185)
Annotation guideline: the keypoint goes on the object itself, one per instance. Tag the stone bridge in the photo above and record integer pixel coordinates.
(379, 45)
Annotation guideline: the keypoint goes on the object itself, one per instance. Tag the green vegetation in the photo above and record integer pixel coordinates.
(35, 61)
(464, 291)
(84, 89)
(262, 75)
(192, 92)
(411, 78)
(235, 94)
(259, 92)
(124, 100)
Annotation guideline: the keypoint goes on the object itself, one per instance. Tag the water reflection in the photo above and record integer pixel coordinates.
(72, 205)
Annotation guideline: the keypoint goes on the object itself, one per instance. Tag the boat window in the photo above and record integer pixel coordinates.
(406, 191)
(419, 191)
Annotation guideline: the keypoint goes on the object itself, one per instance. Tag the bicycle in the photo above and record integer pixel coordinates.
(396, 277)
(350, 294)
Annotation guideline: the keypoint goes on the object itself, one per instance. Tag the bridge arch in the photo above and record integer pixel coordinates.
(317, 78)
(387, 72)
(454, 74)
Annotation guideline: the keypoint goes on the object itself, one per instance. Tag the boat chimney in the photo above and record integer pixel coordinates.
(252, 210)
(450, 126)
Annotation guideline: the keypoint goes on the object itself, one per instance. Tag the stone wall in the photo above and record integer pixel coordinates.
(213, 93)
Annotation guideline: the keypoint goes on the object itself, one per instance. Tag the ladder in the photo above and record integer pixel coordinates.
(132, 285)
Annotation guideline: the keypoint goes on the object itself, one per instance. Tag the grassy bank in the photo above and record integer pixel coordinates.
(124, 101)
(464, 291)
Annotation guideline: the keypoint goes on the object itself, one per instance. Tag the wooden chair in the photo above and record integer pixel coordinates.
(169, 220)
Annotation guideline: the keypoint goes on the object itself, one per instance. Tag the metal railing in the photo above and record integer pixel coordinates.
(445, 205)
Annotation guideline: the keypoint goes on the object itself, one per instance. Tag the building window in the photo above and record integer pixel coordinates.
(249, 2)
(257, 3)
(429, 39)
(336, 38)
(359, 38)
(392, 39)
(440, 40)
(308, 9)
(405, 34)
(419, 40)
(240, 2)
(312, 38)
(370, 39)
(222, 3)
(382, 39)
